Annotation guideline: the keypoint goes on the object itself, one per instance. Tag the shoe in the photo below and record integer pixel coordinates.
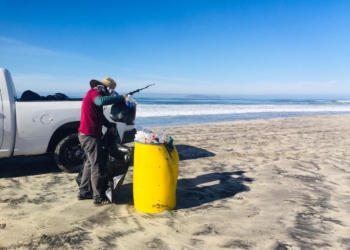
(88, 196)
(101, 201)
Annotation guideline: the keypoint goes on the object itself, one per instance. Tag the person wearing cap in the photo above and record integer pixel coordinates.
(90, 132)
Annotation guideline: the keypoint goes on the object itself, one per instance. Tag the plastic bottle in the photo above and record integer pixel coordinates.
(138, 127)
(129, 101)
(162, 135)
(148, 134)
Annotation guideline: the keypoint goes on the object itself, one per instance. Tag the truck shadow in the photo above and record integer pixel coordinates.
(44, 164)
(203, 189)
(27, 165)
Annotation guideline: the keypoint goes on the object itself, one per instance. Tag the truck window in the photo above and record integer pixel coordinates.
(13, 87)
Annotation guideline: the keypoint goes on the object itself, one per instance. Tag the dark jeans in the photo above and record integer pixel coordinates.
(92, 180)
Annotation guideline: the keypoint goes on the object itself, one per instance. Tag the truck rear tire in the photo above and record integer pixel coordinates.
(68, 154)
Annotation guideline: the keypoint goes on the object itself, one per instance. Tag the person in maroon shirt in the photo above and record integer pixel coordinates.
(90, 136)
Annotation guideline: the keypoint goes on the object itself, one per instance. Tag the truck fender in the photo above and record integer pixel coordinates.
(60, 133)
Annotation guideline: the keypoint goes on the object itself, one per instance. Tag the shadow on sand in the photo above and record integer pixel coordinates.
(27, 165)
(187, 152)
(44, 164)
(194, 192)
(191, 192)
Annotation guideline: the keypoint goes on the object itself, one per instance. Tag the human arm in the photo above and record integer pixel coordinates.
(107, 100)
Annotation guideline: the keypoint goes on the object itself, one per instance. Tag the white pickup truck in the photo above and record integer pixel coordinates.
(44, 126)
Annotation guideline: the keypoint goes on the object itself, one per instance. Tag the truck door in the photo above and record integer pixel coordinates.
(1, 121)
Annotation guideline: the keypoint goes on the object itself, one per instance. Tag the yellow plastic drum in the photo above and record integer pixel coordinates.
(155, 178)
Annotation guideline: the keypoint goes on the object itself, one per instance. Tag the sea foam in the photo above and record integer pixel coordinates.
(147, 110)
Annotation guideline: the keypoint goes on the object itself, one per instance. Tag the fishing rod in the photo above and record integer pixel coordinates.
(138, 90)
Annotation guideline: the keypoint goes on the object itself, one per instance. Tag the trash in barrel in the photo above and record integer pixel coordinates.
(156, 166)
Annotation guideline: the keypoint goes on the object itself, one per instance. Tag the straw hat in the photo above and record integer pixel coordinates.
(108, 82)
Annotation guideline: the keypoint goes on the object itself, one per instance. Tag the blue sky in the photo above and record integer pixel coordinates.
(236, 47)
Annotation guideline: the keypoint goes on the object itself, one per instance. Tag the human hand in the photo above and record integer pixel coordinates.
(111, 130)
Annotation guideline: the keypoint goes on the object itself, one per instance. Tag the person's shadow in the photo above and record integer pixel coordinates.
(193, 192)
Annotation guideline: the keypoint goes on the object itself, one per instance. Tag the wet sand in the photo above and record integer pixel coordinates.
(264, 184)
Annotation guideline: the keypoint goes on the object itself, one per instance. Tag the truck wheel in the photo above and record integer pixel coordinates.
(68, 155)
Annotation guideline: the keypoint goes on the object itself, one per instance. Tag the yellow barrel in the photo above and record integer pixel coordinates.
(155, 178)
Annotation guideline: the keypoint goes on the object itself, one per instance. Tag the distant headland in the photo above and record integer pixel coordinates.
(202, 96)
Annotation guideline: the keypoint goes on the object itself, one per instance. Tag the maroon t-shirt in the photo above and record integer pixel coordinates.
(91, 119)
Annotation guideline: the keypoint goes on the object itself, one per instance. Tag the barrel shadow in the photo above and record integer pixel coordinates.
(187, 152)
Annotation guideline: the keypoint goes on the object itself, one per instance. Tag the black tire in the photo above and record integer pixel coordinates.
(68, 154)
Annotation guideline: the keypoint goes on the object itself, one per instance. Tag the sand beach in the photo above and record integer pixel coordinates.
(261, 184)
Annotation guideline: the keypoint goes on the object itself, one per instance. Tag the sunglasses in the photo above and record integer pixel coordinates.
(105, 90)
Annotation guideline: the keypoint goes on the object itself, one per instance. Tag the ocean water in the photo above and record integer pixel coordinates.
(167, 110)
(170, 109)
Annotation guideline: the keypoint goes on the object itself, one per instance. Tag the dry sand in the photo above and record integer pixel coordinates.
(265, 184)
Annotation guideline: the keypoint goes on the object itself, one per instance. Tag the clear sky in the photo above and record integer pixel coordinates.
(235, 47)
